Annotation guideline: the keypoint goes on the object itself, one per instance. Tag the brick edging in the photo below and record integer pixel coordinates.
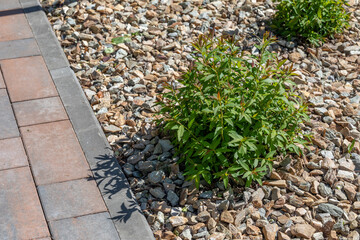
(113, 185)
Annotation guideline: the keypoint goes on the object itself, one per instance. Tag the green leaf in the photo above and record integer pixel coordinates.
(270, 154)
(247, 118)
(243, 165)
(226, 181)
(351, 146)
(207, 177)
(246, 174)
(236, 137)
(251, 146)
(319, 13)
(273, 134)
(268, 81)
(180, 132)
(215, 143)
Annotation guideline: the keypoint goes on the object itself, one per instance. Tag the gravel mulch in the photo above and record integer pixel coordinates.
(313, 197)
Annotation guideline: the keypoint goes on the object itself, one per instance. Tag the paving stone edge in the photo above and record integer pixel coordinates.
(114, 187)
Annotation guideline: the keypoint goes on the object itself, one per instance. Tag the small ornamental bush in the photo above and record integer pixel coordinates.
(233, 112)
(313, 20)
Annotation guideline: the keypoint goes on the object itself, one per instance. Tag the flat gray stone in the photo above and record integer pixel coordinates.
(331, 209)
(8, 126)
(89, 227)
(19, 48)
(356, 160)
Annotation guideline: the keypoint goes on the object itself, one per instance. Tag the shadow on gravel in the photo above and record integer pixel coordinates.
(115, 188)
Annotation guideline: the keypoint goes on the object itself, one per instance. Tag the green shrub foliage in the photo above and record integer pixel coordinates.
(233, 113)
(313, 20)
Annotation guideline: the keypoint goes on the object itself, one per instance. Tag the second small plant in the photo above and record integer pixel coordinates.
(312, 20)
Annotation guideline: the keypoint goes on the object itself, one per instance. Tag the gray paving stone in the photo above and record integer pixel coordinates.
(124, 209)
(74, 99)
(71, 199)
(102, 153)
(8, 126)
(50, 48)
(12, 153)
(9, 4)
(19, 48)
(89, 227)
(51, 52)
(28, 3)
(36, 17)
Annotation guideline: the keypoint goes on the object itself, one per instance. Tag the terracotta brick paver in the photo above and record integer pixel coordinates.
(12, 153)
(27, 78)
(39, 111)
(21, 216)
(14, 26)
(54, 152)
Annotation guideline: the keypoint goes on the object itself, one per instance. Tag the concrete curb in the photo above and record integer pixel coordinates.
(114, 187)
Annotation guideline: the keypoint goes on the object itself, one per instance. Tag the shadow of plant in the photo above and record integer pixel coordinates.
(113, 184)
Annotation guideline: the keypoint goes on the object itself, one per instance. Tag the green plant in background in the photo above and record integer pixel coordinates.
(234, 113)
(313, 20)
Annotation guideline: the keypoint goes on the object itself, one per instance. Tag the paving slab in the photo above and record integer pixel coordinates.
(39, 111)
(13, 25)
(74, 100)
(89, 227)
(21, 215)
(8, 126)
(2, 83)
(9, 4)
(19, 48)
(71, 199)
(50, 48)
(12, 153)
(33, 74)
(54, 152)
(124, 209)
